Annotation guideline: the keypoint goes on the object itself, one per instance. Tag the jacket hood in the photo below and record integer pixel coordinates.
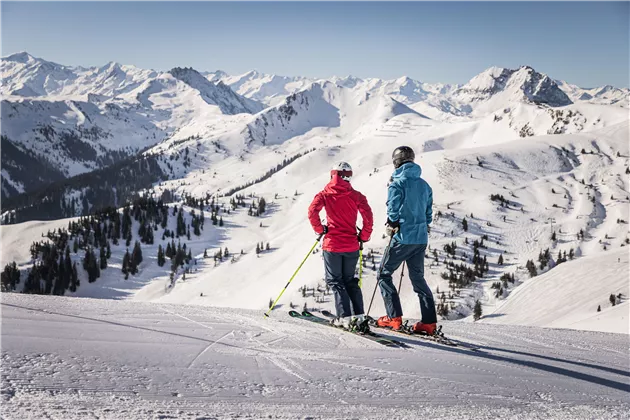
(338, 186)
(408, 170)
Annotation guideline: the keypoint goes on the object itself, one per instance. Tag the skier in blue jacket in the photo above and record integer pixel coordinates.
(409, 212)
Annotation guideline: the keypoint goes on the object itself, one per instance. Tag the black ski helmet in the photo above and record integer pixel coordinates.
(402, 154)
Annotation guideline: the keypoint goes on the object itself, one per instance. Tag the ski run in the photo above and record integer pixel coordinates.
(69, 358)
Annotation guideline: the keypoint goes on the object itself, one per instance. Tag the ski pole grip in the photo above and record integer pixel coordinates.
(321, 235)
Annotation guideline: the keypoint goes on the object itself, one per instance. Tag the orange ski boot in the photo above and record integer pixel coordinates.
(387, 322)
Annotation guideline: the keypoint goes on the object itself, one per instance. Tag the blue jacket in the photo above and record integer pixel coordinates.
(410, 202)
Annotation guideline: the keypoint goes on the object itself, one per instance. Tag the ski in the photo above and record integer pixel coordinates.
(305, 315)
(438, 337)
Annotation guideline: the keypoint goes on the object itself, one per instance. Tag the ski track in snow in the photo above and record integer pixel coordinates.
(73, 358)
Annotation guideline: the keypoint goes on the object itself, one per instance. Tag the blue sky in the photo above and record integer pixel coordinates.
(583, 43)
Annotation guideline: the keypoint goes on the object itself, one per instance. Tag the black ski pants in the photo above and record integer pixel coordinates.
(340, 267)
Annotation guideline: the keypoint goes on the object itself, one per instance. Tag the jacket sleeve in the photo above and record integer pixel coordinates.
(430, 206)
(395, 196)
(313, 213)
(368, 218)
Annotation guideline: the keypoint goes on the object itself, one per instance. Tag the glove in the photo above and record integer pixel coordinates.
(323, 232)
(392, 227)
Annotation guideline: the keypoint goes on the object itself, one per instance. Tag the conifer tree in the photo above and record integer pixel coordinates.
(74, 279)
(477, 311)
(103, 258)
(161, 260)
(136, 257)
(125, 263)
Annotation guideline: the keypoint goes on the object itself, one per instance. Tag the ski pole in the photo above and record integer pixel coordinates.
(360, 264)
(402, 274)
(380, 270)
(293, 276)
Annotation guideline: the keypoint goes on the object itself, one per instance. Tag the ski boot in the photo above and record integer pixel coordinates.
(342, 322)
(360, 324)
(395, 324)
(427, 329)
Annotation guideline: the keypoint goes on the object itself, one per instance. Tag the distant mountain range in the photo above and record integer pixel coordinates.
(73, 120)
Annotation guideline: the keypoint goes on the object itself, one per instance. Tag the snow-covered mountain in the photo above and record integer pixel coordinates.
(498, 87)
(75, 120)
(267, 88)
(216, 94)
(27, 76)
(323, 105)
(605, 95)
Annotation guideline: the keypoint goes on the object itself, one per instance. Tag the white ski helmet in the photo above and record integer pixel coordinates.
(343, 169)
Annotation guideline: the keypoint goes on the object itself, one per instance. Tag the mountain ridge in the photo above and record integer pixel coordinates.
(81, 119)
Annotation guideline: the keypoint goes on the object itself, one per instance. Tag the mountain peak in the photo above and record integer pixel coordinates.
(523, 84)
(215, 94)
(20, 57)
(252, 74)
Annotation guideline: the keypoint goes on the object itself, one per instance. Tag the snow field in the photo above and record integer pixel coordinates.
(111, 358)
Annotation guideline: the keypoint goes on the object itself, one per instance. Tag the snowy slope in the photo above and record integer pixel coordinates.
(525, 171)
(71, 358)
(548, 300)
(541, 176)
(76, 136)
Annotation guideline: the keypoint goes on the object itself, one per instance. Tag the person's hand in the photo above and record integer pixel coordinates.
(323, 232)
(360, 237)
(392, 227)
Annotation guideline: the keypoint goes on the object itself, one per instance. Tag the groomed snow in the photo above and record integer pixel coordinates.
(69, 358)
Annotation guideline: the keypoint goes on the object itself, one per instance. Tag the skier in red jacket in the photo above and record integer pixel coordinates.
(341, 242)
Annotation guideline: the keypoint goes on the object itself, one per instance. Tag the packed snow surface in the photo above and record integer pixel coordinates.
(66, 358)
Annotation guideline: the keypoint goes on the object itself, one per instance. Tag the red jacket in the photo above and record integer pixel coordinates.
(342, 204)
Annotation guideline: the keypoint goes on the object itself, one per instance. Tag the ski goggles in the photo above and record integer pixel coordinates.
(342, 174)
